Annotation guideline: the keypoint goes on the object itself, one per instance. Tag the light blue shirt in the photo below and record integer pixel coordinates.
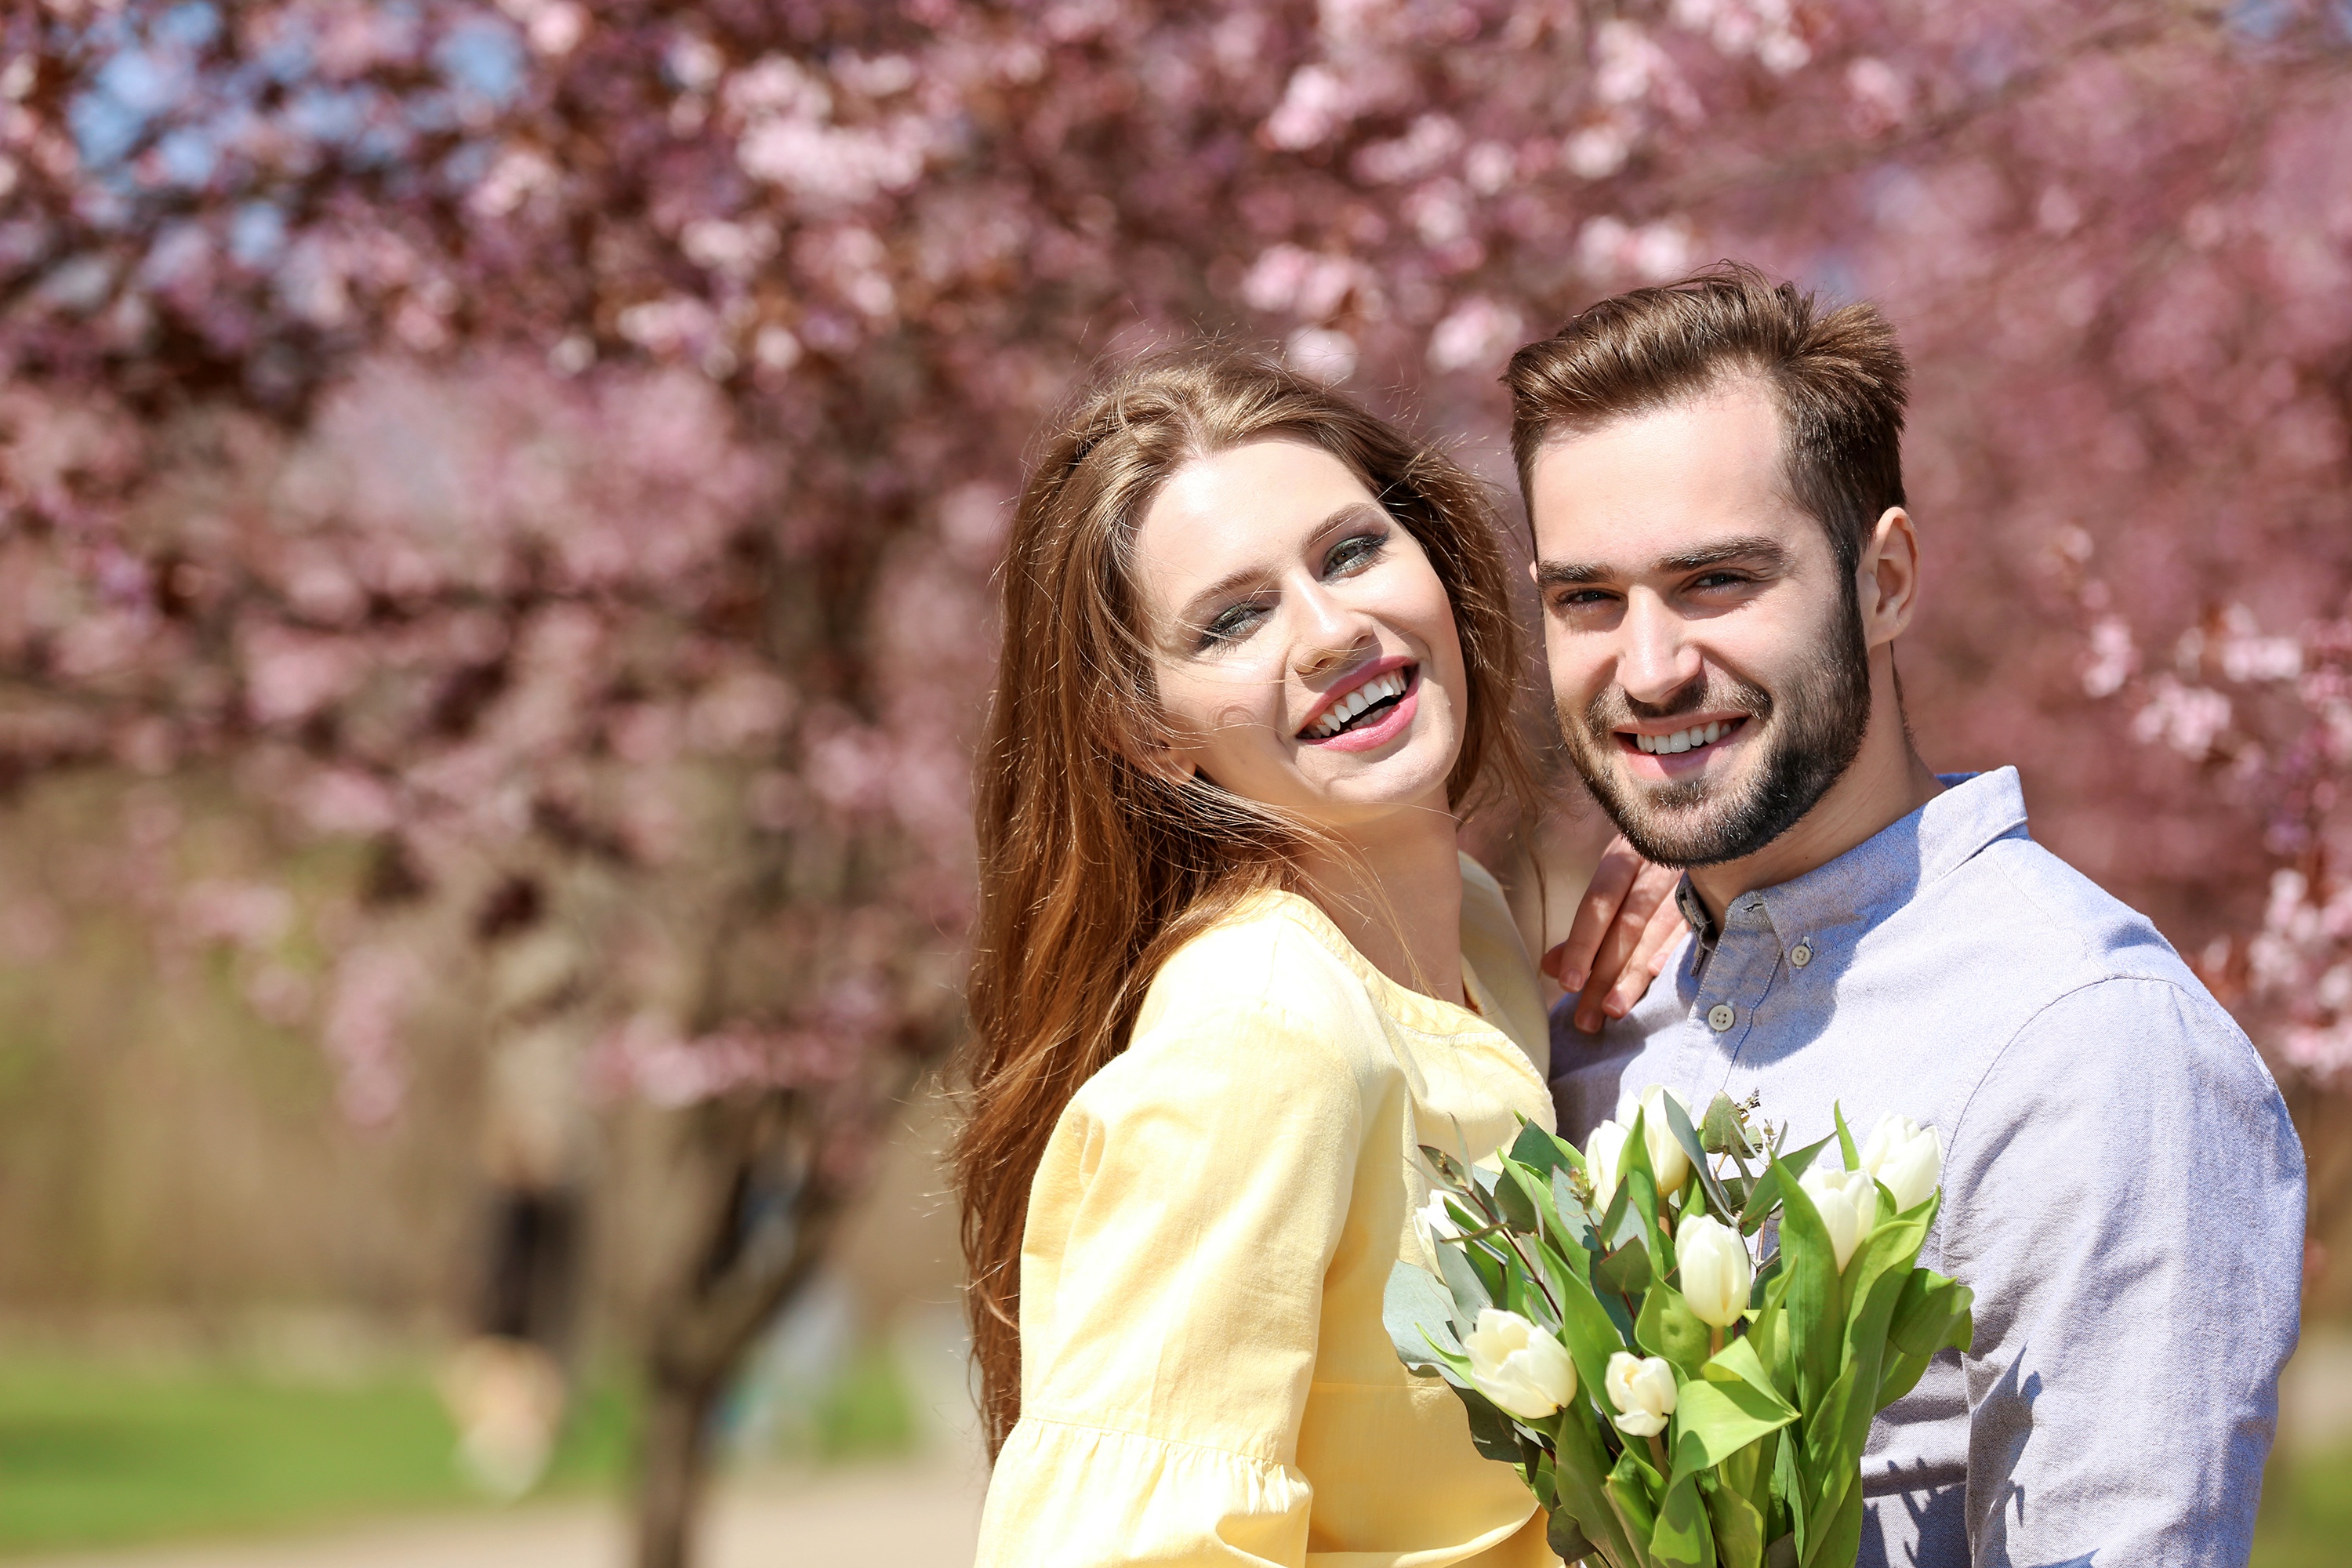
(2122, 1187)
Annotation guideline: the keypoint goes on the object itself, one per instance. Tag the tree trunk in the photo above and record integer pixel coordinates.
(670, 1471)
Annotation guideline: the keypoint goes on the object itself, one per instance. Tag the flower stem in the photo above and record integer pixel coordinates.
(1714, 1342)
(1658, 1452)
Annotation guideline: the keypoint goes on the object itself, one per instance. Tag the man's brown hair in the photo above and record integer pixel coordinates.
(1838, 377)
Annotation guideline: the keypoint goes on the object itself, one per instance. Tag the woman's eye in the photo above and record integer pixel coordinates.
(1228, 624)
(1360, 551)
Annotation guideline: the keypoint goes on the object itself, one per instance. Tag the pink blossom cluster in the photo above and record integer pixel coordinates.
(527, 429)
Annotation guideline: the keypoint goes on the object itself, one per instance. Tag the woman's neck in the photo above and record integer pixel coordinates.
(1395, 892)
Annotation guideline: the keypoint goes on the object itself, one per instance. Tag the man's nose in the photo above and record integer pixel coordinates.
(1655, 661)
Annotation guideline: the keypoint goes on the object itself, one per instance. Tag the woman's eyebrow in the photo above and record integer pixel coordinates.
(1353, 513)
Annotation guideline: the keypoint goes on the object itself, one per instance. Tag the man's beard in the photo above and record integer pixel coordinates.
(1810, 734)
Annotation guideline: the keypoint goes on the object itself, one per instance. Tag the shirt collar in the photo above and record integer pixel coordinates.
(1883, 871)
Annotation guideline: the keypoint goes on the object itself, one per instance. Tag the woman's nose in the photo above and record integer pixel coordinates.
(1329, 634)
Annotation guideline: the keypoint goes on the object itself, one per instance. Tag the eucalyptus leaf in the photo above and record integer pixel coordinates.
(1540, 1151)
(1625, 1272)
(1415, 1303)
(1720, 1131)
(1469, 1292)
(1491, 1432)
(1512, 1200)
(1566, 1538)
(1445, 1165)
(1679, 1125)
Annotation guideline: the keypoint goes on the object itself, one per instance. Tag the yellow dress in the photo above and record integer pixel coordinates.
(1206, 1378)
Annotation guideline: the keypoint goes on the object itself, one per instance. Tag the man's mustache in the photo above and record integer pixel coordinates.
(1612, 708)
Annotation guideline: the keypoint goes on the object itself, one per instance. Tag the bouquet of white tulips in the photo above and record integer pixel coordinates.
(1674, 1401)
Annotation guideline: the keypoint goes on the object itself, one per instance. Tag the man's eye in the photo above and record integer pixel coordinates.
(1581, 598)
(1721, 580)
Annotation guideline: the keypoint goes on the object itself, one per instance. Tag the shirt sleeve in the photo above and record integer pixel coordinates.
(2127, 1201)
(1179, 1230)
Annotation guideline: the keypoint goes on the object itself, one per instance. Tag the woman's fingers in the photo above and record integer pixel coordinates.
(1570, 963)
(1649, 958)
(1638, 930)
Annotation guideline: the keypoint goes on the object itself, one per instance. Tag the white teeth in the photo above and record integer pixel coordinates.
(1683, 740)
(1378, 688)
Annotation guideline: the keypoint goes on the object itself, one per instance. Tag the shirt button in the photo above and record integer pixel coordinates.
(1800, 956)
(1721, 1016)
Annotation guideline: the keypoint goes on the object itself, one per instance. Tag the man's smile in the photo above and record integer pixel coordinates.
(1653, 751)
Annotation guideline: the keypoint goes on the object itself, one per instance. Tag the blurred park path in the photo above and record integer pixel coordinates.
(920, 1514)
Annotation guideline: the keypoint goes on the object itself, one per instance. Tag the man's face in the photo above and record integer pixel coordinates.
(1707, 663)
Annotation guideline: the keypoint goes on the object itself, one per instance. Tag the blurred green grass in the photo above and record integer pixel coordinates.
(2307, 1517)
(95, 1453)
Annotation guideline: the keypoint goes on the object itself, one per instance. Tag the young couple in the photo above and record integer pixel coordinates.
(1232, 969)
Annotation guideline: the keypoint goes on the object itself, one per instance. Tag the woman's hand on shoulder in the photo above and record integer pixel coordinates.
(1624, 928)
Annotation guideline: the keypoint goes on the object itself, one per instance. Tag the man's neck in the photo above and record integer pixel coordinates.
(1885, 783)
(1395, 892)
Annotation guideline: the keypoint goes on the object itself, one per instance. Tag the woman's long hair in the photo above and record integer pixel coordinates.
(1093, 869)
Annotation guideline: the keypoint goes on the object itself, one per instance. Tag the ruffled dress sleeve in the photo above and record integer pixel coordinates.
(1181, 1226)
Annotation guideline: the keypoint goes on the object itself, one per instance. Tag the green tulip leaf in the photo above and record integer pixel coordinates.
(1837, 1545)
(1738, 1528)
(1812, 1309)
(1831, 1457)
(1683, 1538)
(1633, 1489)
(1930, 1305)
(1781, 1553)
(1766, 1195)
(1844, 1137)
(1713, 1421)
(1739, 1362)
(1580, 1472)
(1590, 1335)
(1668, 1328)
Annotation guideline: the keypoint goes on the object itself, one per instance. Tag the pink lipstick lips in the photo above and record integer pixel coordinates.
(1371, 711)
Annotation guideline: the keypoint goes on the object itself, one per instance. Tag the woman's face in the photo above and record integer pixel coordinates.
(1304, 648)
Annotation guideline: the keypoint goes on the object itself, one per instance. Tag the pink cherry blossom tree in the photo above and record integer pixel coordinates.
(536, 436)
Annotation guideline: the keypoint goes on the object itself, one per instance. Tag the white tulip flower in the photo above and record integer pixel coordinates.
(1905, 1158)
(1433, 1223)
(1668, 1162)
(1525, 1371)
(1643, 1390)
(1716, 1270)
(1848, 1201)
(1604, 1160)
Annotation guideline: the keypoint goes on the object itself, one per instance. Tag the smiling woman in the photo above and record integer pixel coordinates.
(1231, 969)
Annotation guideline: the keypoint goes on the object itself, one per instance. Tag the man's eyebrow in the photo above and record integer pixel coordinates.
(1196, 608)
(1758, 548)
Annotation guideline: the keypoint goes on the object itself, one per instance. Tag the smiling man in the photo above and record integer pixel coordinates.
(1726, 563)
